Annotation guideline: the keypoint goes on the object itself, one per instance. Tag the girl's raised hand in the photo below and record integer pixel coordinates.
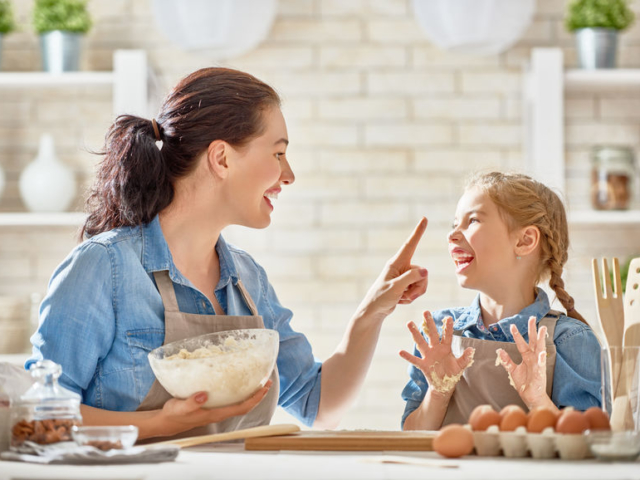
(400, 282)
(438, 364)
(530, 377)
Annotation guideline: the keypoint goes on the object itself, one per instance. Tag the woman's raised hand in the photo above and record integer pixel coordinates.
(438, 364)
(400, 282)
(180, 415)
(529, 378)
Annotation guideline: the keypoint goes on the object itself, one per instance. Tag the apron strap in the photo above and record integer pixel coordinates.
(216, 305)
(247, 298)
(550, 321)
(167, 292)
(170, 302)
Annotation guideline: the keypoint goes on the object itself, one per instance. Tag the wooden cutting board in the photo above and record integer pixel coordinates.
(346, 440)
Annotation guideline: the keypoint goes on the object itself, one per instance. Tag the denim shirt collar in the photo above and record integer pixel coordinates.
(539, 309)
(157, 257)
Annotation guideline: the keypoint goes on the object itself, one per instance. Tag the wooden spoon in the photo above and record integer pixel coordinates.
(263, 431)
(632, 306)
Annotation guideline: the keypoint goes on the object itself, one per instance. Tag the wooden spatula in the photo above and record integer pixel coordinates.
(263, 431)
(610, 316)
(632, 306)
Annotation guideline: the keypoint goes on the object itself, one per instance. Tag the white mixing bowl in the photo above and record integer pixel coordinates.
(230, 366)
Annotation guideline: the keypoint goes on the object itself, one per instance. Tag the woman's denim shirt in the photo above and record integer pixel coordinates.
(576, 377)
(103, 314)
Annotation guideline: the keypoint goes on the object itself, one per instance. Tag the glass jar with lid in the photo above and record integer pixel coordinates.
(612, 177)
(47, 412)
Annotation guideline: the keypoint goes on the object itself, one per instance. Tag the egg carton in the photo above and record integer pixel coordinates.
(520, 443)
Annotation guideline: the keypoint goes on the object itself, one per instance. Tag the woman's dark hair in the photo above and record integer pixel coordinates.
(135, 180)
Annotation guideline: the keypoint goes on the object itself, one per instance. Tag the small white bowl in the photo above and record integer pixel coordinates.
(614, 446)
(107, 437)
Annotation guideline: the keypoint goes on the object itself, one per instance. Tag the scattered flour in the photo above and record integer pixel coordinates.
(499, 362)
(425, 329)
(448, 382)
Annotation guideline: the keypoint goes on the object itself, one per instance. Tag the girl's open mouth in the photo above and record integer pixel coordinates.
(462, 261)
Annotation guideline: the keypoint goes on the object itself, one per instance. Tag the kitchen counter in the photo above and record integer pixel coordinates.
(230, 461)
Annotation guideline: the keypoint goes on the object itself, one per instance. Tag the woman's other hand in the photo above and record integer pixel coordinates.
(529, 378)
(400, 282)
(181, 415)
(438, 363)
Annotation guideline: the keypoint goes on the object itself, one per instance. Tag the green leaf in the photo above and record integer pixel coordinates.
(67, 15)
(614, 14)
(6, 17)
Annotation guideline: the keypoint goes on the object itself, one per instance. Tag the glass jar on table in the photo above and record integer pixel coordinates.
(46, 413)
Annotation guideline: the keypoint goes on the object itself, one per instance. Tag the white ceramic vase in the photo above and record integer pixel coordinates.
(46, 184)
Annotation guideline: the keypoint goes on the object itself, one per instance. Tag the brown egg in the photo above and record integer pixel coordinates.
(482, 417)
(476, 411)
(512, 417)
(541, 418)
(453, 441)
(572, 422)
(597, 418)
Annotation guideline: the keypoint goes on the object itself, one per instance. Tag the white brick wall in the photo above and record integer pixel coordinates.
(384, 127)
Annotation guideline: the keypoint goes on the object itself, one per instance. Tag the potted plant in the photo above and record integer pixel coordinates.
(596, 24)
(61, 25)
(6, 22)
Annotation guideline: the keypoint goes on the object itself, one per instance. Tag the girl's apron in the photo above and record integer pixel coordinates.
(484, 383)
(179, 325)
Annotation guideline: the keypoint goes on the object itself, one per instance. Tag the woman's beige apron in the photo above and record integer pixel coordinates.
(484, 383)
(179, 325)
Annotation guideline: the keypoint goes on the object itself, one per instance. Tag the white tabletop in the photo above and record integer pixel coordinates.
(230, 461)
(17, 358)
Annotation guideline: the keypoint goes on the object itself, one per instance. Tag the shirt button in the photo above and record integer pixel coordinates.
(495, 329)
(204, 304)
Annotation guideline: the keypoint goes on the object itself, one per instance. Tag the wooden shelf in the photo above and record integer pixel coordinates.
(598, 217)
(63, 219)
(545, 84)
(129, 83)
(602, 79)
(43, 79)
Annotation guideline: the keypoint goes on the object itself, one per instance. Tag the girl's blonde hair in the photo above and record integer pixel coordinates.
(526, 202)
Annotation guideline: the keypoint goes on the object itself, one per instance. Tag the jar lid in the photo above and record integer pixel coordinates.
(46, 390)
(613, 154)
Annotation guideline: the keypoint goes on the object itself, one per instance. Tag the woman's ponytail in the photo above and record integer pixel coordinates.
(132, 182)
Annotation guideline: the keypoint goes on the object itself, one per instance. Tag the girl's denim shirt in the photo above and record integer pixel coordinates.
(103, 314)
(576, 377)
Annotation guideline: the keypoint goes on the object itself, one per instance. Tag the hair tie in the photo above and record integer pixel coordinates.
(156, 130)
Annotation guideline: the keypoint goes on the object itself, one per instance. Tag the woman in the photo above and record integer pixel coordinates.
(154, 267)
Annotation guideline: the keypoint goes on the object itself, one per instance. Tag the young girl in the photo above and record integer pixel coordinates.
(509, 233)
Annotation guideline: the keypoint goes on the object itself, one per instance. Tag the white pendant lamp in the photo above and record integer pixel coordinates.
(218, 28)
(474, 27)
